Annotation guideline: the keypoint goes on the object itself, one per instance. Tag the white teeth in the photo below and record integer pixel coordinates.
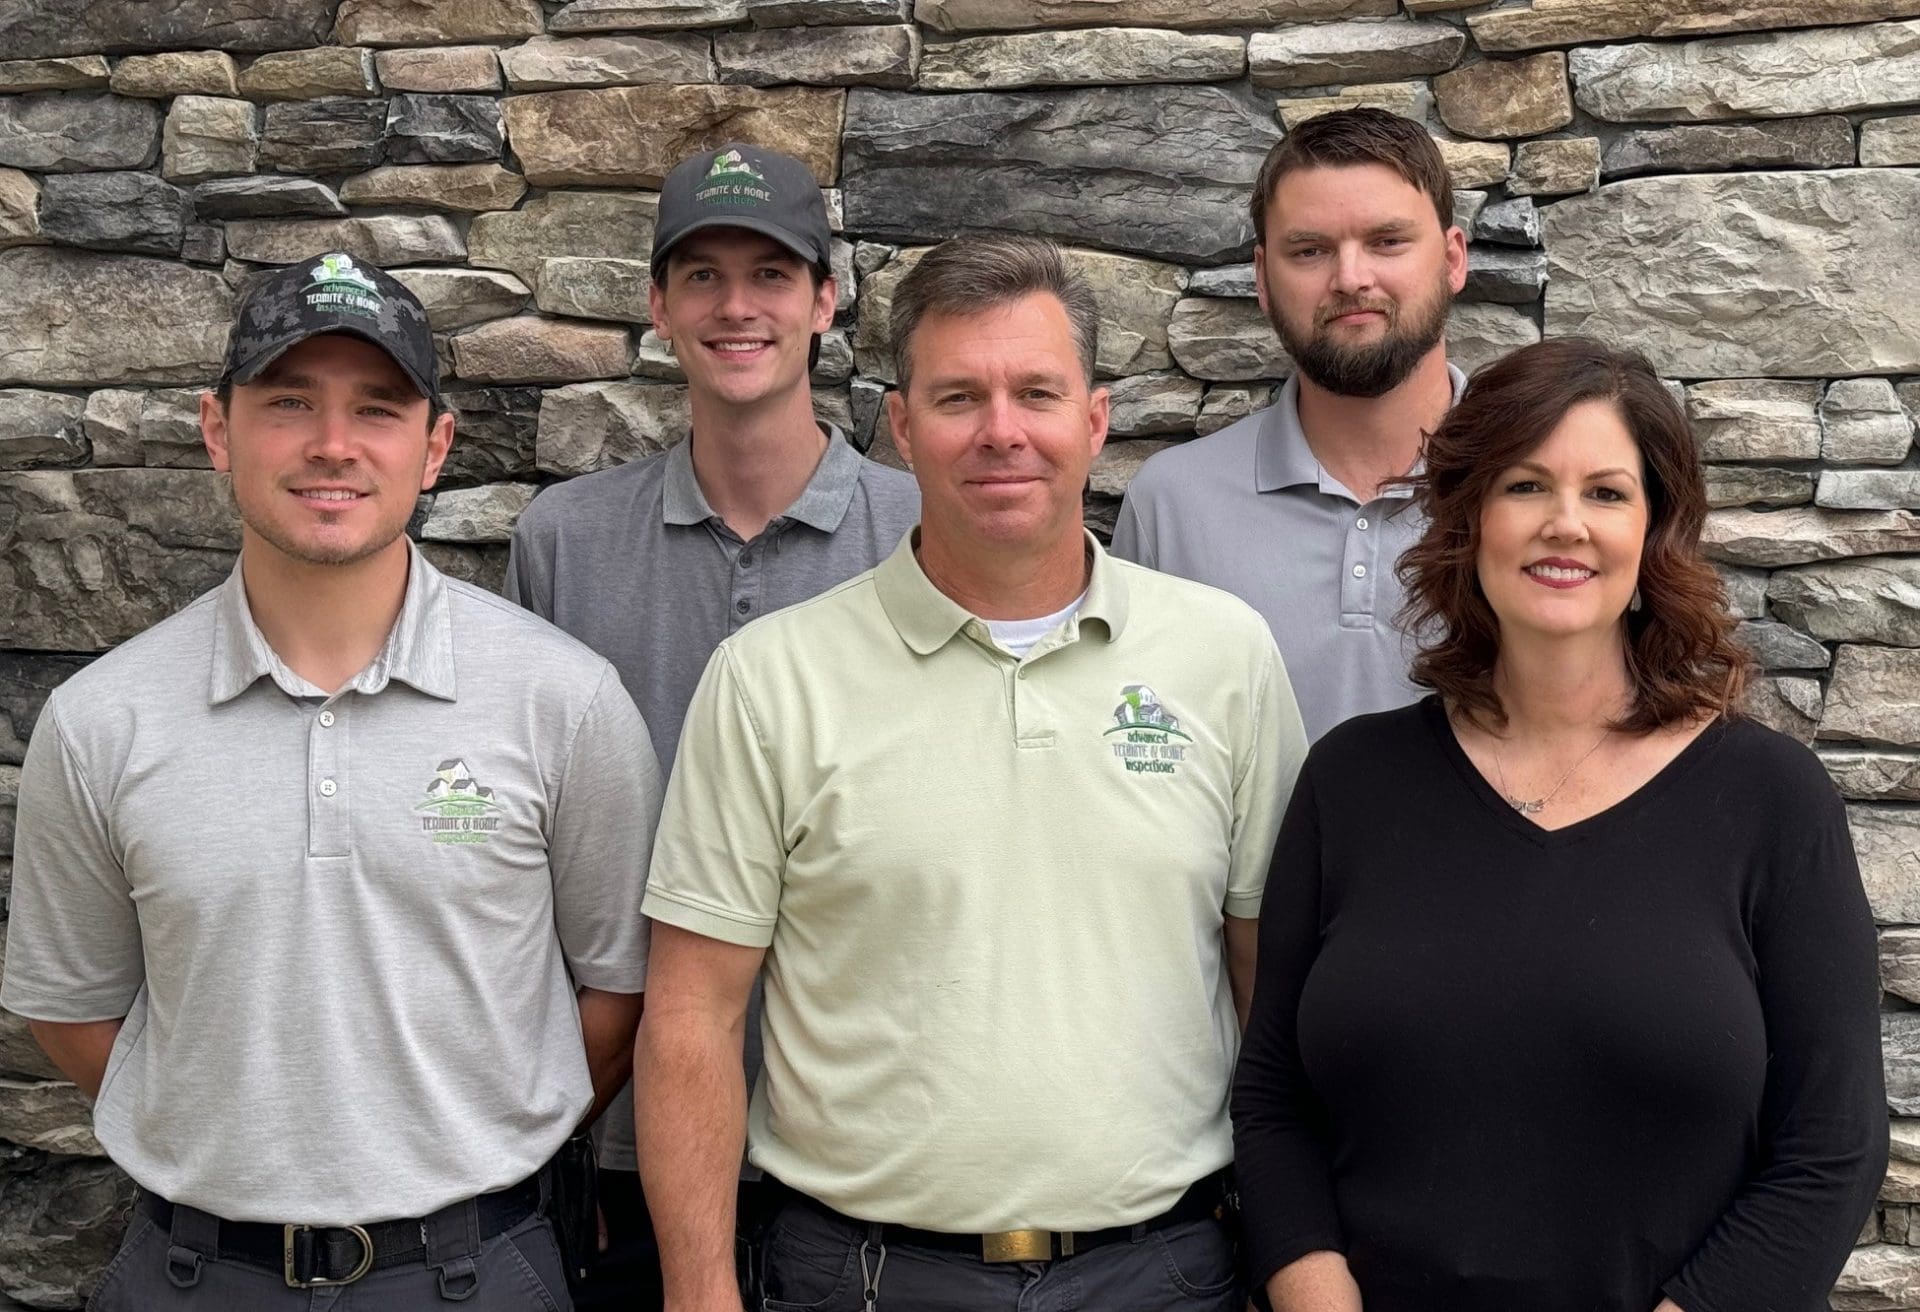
(1556, 572)
(738, 346)
(330, 494)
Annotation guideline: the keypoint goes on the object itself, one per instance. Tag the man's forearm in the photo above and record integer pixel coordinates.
(79, 1050)
(1318, 1282)
(607, 1024)
(690, 1123)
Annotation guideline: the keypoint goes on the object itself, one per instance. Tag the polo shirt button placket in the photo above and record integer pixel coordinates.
(327, 769)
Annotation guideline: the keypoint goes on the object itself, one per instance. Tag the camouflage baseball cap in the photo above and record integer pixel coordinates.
(333, 293)
(744, 186)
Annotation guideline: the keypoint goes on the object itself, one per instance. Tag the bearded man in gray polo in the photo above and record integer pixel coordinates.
(1300, 509)
(327, 888)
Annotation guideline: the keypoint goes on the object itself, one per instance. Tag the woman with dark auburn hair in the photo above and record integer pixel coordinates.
(1566, 997)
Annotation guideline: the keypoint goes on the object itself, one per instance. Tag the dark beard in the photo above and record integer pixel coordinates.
(1371, 369)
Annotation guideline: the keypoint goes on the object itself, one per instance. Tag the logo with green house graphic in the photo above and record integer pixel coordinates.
(733, 180)
(339, 286)
(1146, 733)
(458, 809)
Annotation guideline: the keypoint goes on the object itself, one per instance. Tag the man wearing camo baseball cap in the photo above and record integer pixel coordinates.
(327, 888)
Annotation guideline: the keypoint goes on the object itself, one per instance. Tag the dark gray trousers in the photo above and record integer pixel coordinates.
(516, 1271)
(816, 1263)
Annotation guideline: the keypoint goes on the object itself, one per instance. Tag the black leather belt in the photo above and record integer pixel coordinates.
(1206, 1199)
(309, 1256)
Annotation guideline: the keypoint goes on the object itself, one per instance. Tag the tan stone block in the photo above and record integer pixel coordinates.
(472, 188)
(382, 239)
(436, 22)
(439, 69)
(1559, 167)
(1577, 22)
(612, 224)
(647, 15)
(1012, 15)
(549, 63)
(1407, 99)
(1506, 98)
(78, 73)
(528, 349)
(1890, 141)
(1107, 56)
(1874, 698)
(461, 298)
(19, 209)
(177, 73)
(587, 138)
(309, 74)
(1805, 534)
(1476, 163)
(207, 136)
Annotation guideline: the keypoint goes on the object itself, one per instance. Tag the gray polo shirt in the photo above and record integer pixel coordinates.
(344, 930)
(1249, 509)
(635, 563)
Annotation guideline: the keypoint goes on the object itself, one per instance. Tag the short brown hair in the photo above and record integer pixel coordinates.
(969, 274)
(1681, 654)
(1357, 136)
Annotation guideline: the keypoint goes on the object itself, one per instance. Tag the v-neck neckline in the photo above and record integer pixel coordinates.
(1621, 811)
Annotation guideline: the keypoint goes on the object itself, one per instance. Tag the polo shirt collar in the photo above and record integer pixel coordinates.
(927, 618)
(1282, 458)
(822, 503)
(418, 650)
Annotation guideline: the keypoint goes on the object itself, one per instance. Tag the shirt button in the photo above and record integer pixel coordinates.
(328, 788)
(743, 605)
(326, 719)
(1360, 522)
(746, 560)
(1359, 571)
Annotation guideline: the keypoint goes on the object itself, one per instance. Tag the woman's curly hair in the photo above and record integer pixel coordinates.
(1682, 657)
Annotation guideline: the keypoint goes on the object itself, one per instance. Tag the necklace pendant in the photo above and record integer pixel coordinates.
(1535, 807)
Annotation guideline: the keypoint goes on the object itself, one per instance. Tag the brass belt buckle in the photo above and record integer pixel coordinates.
(1022, 1246)
(286, 1252)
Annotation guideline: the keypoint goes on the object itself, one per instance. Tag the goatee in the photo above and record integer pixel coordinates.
(1367, 369)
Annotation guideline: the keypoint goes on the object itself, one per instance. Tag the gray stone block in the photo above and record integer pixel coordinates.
(1159, 171)
(134, 212)
(332, 135)
(73, 133)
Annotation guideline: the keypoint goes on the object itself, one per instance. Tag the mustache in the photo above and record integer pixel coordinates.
(1354, 305)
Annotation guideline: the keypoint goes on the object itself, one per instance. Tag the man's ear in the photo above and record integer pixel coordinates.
(439, 443)
(213, 431)
(897, 418)
(1260, 278)
(1456, 260)
(657, 307)
(1099, 410)
(826, 299)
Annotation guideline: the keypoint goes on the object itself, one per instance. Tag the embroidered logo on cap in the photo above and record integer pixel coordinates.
(1149, 730)
(338, 287)
(458, 809)
(733, 180)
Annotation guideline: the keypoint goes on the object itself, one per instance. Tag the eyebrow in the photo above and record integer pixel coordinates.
(1391, 227)
(1057, 381)
(295, 382)
(1613, 472)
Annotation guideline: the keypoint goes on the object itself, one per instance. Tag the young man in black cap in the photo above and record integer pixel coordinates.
(654, 563)
(327, 888)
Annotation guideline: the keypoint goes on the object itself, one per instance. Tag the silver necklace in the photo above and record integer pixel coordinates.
(1539, 804)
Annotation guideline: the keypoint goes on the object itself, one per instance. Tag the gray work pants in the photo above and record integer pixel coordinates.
(813, 1262)
(518, 1270)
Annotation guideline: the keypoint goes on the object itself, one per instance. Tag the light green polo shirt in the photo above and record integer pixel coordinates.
(992, 889)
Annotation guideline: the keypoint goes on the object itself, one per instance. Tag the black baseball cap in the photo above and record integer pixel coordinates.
(332, 293)
(744, 186)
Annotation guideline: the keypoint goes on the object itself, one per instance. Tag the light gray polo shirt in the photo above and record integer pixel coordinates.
(344, 930)
(1250, 510)
(634, 563)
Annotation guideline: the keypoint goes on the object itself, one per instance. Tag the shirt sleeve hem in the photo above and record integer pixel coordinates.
(1244, 906)
(62, 1008)
(683, 912)
(609, 977)
(1268, 1264)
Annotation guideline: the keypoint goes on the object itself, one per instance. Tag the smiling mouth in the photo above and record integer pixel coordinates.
(329, 496)
(738, 348)
(1560, 576)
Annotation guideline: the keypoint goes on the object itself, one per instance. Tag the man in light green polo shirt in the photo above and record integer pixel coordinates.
(997, 815)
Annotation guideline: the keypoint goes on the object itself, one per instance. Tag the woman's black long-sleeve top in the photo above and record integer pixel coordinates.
(1511, 1070)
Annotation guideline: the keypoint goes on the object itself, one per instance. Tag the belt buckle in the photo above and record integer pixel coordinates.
(292, 1278)
(1020, 1246)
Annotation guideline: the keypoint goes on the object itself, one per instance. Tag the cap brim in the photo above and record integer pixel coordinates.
(765, 227)
(249, 371)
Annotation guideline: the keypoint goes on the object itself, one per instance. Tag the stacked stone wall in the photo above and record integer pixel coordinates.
(1727, 185)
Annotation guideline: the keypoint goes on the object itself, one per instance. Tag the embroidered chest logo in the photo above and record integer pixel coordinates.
(458, 809)
(1146, 736)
